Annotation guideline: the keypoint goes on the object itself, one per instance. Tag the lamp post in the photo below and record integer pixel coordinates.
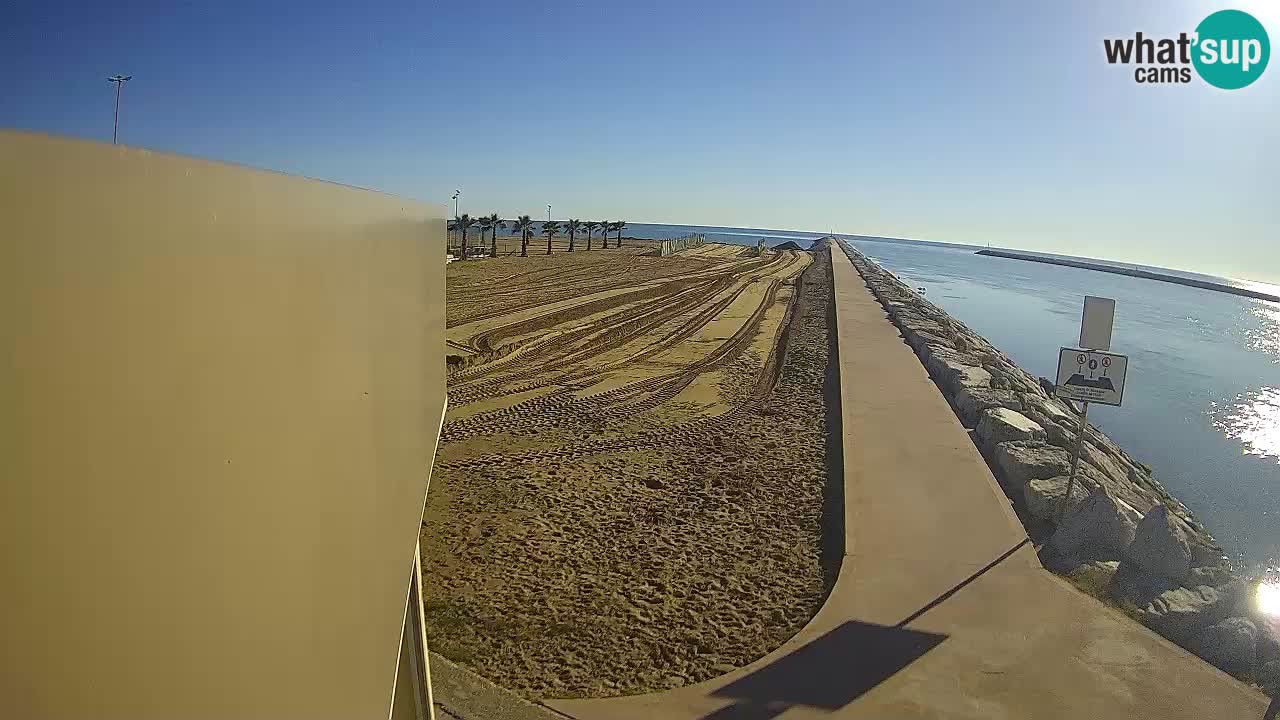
(119, 80)
(456, 193)
(548, 213)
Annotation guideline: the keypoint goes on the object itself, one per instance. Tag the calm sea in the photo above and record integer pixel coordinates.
(740, 236)
(1202, 400)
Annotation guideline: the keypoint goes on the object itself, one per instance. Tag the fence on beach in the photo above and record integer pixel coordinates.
(672, 246)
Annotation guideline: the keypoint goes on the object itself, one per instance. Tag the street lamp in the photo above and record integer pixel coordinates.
(548, 213)
(456, 193)
(119, 80)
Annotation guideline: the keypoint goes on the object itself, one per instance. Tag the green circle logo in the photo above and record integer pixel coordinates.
(1232, 49)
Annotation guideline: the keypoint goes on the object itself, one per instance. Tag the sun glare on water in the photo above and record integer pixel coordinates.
(1268, 598)
(1265, 338)
(1253, 420)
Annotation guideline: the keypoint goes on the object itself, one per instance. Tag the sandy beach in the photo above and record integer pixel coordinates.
(629, 490)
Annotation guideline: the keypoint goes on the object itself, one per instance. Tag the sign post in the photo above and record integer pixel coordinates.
(1095, 323)
(1090, 375)
(1075, 461)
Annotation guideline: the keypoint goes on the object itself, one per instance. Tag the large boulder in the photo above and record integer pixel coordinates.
(1268, 642)
(1143, 479)
(1174, 612)
(1122, 489)
(1061, 430)
(937, 359)
(970, 403)
(1205, 551)
(955, 372)
(1004, 425)
(1058, 563)
(1212, 575)
(1097, 529)
(1020, 461)
(966, 376)
(1106, 464)
(1043, 496)
(915, 330)
(1053, 411)
(1230, 644)
(1055, 434)
(1111, 448)
(1160, 546)
(1268, 676)
(1094, 577)
(920, 340)
(1025, 384)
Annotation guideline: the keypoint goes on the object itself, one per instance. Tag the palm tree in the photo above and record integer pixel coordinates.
(619, 226)
(591, 226)
(551, 227)
(572, 227)
(525, 225)
(463, 222)
(495, 222)
(485, 225)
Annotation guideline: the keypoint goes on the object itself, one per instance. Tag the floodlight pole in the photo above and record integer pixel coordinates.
(119, 80)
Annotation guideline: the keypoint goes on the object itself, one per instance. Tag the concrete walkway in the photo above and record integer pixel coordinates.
(941, 608)
(460, 694)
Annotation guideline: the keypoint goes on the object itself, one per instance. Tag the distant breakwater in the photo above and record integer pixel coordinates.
(1133, 272)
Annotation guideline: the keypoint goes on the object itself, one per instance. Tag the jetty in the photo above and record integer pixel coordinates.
(1133, 272)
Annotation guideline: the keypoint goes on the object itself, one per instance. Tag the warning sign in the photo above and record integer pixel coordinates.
(1091, 376)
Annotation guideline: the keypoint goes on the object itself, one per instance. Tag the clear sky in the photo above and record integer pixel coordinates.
(976, 122)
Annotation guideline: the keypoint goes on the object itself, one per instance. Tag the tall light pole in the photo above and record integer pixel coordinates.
(456, 193)
(548, 213)
(119, 80)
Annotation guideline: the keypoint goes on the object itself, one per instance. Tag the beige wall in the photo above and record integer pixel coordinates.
(220, 392)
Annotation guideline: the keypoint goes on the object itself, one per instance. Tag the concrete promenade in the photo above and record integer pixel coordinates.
(941, 608)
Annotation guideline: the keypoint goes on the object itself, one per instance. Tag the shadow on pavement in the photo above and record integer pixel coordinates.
(838, 667)
(828, 673)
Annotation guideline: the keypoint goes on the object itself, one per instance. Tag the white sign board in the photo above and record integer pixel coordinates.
(1091, 376)
(1095, 324)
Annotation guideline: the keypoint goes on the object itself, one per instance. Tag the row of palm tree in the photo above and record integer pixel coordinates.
(525, 226)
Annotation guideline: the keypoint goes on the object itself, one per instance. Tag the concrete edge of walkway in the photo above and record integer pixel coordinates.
(460, 694)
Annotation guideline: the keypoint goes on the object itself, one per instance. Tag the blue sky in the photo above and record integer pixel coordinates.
(978, 122)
